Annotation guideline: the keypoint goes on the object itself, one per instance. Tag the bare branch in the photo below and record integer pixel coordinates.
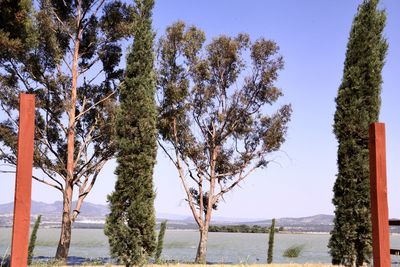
(241, 178)
(94, 105)
(85, 142)
(49, 146)
(83, 192)
(90, 65)
(97, 75)
(1, 171)
(46, 182)
(9, 115)
(62, 23)
(51, 176)
(166, 152)
(196, 216)
(25, 82)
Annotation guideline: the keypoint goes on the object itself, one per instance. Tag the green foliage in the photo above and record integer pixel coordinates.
(53, 49)
(357, 105)
(38, 41)
(130, 226)
(243, 228)
(160, 242)
(32, 240)
(16, 26)
(212, 120)
(293, 251)
(271, 242)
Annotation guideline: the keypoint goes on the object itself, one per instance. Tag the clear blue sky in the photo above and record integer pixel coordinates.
(312, 35)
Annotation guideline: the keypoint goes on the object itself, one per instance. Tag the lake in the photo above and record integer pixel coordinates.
(180, 245)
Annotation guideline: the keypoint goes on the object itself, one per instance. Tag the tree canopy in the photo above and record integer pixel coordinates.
(213, 119)
(67, 53)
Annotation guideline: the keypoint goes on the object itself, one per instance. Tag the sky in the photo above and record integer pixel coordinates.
(312, 35)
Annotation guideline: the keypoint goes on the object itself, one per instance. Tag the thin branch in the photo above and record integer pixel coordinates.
(166, 152)
(89, 65)
(241, 178)
(1, 171)
(97, 75)
(45, 141)
(9, 114)
(66, 63)
(15, 68)
(85, 142)
(62, 24)
(46, 182)
(196, 216)
(51, 176)
(94, 105)
(78, 173)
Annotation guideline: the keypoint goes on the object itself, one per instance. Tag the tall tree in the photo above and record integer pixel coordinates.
(66, 53)
(271, 236)
(212, 119)
(130, 226)
(357, 105)
(160, 242)
(32, 239)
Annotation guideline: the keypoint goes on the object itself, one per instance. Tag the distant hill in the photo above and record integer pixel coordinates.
(89, 209)
(93, 216)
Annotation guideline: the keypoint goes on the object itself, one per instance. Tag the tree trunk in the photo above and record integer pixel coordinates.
(202, 248)
(65, 237)
(66, 223)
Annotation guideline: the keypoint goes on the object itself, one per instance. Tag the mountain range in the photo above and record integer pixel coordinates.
(93, 216)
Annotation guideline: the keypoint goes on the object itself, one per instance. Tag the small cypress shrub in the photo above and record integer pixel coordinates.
(160, 241)
(271, 242)
(32, 240)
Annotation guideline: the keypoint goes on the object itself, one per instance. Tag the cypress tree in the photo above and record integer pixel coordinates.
(160, 241)
(130, 226)
(32, 240)
(357, 105)
(271, 242)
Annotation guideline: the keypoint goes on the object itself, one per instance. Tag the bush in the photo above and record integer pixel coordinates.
(293, 251)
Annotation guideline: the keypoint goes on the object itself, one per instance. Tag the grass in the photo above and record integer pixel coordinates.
(216, 265)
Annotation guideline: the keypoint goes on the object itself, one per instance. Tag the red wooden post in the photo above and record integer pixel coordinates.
(23, 182)
(379, 204)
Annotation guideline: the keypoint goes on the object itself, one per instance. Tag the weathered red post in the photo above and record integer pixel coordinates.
(379, 204)
(23, 182)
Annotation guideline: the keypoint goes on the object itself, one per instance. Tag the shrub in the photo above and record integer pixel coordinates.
(293, 251)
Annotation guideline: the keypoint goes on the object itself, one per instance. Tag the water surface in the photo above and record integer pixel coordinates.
(181, 245)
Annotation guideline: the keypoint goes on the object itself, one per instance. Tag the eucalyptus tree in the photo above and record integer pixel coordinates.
(213, 123)
(67, 53)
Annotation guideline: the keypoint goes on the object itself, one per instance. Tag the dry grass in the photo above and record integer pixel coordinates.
(224, 265)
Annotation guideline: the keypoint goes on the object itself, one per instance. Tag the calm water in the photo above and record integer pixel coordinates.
(181, 246)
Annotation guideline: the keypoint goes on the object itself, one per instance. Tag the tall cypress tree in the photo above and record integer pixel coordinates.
(357, 105)
(271, 242)
(130, 226)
